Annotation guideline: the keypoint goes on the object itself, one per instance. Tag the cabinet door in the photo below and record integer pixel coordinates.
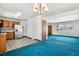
(0, 23)
(5, 24)
(2, 42)
(10, 24)
(10, 35)
(7, 37)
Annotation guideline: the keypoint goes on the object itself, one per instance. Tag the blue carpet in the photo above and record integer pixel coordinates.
(54, 46)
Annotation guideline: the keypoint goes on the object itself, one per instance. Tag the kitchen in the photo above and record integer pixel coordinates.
(7, 32)
(12, 35)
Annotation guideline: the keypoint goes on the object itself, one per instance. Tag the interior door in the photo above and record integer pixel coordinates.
(44, 29)
(49, 29)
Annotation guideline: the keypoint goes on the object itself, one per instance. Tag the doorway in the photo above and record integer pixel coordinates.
(49, 29)
(44, 29)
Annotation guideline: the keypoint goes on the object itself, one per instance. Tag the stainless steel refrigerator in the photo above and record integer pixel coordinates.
(18, 31)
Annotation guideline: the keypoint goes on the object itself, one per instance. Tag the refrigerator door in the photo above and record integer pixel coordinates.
(18, 31)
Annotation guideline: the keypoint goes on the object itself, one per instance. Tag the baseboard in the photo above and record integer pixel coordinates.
(18, 38)
(65, 36)
(31, 38)
(28, 37)
(36, 39)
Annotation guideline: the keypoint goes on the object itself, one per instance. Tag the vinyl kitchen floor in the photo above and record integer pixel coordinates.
(18, 43)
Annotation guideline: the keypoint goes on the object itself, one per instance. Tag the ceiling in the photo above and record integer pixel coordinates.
(27, 9)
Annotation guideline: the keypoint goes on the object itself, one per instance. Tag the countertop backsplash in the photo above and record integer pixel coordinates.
(7, 30)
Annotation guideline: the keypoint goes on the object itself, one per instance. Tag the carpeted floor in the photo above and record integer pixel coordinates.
(54, 46)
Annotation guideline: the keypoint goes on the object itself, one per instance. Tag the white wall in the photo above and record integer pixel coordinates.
(66, 18)
(73, 32)
(24, 24)
(34, 26)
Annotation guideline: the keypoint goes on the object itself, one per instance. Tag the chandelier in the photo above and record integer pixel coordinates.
(40, 8)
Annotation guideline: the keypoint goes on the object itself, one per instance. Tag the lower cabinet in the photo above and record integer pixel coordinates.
(10, 35)
(2, 42)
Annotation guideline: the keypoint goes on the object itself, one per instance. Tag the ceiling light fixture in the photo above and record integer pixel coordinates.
(12, 14)
(18, 14)
(40, 8)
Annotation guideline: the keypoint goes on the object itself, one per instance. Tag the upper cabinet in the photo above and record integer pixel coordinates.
(5, 23)
(0, 23)
(10, 24)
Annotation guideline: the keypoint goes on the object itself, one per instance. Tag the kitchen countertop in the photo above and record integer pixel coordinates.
(3, 30)
(2, 33)
(7, 31)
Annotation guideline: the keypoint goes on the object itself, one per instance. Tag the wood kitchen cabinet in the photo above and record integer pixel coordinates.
(0, 23)
(5, 24)
(10, 24)
(2, 42)
(10, 35)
